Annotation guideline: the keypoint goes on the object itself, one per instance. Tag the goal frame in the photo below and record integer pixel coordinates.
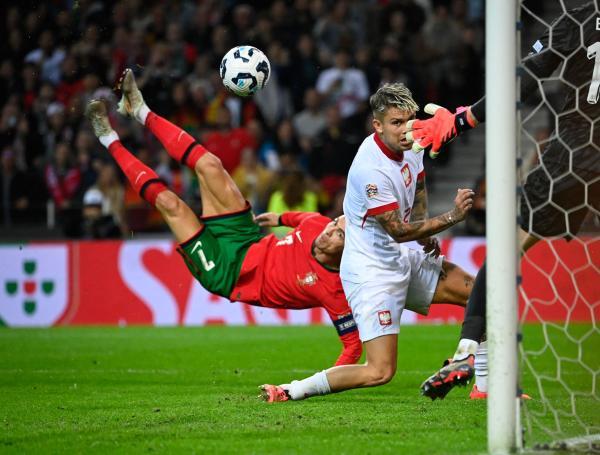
(501, 227)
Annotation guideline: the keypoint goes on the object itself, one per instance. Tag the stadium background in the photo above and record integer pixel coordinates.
(77, 246)
(289, 147)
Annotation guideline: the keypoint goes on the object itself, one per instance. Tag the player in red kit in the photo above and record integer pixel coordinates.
(224, 248)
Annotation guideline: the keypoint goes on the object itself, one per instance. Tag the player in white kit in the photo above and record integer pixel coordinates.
(386, 205)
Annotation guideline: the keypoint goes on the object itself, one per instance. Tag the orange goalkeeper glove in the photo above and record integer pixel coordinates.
(439, 130)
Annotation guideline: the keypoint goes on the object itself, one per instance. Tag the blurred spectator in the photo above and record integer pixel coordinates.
(48, 57)
(366, 63)
(58, 129)
(293, 195)
(184, 112)
(63, 179)
(243, 19)
(274, 100)
(84, 154)
(336, 29)
(344, 86)
(254, 180)
(311, 121)
(442, 66)
(226, 142)
(334, 148)
(475, 221)
(266, 151)
(305, 67)
(415, 13)
(286, 142)
(71, 82)
(21, 198)
(103, 213)
(336, 205)
(8, 81)
(181, 54)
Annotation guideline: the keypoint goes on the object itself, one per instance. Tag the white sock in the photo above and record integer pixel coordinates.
(109, 139)
(481, 367)
(142, 114)
(465, 348)
(316, 384)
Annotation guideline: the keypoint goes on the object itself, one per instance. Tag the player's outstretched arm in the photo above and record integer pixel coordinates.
(391, 220)
(268, 219)
(290, 219)
(352, 349)
(442, 128)
(420, 213)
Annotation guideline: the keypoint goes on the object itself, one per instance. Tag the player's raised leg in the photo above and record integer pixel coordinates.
(180, 218)
(379, 369)
(218, 191)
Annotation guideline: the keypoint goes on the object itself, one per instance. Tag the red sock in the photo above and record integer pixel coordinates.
(143, 179)
(179, 144)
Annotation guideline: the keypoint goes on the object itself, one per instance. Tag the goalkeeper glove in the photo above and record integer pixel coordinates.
(439, 130)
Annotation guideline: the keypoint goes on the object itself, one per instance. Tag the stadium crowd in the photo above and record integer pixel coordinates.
(288, 147)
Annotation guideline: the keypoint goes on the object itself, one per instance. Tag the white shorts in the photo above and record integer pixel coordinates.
(377, 304)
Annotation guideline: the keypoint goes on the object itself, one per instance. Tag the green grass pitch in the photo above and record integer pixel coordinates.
(194, 390)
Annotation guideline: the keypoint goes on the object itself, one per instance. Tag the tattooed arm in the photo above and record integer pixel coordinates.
(419, 213)
(416, 230)
(419, 208)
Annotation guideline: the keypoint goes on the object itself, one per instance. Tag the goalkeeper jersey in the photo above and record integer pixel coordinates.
(571, 47)
(556, 198)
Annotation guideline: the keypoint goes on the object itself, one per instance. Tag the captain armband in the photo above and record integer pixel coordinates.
(345, 324)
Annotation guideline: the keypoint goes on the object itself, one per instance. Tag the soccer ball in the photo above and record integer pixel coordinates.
(245, 70)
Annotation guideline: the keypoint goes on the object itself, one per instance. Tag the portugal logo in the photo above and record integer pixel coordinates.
(33, 285)
(309, 280)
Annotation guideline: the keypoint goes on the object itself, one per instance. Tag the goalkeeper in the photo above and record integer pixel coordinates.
(557, 194)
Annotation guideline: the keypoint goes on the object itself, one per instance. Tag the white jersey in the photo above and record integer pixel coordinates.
(378, 181)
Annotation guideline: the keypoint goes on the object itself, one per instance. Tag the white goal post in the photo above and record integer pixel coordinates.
(501, 208)
(560, 301)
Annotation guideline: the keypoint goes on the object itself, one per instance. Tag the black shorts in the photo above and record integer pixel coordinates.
(560, 191)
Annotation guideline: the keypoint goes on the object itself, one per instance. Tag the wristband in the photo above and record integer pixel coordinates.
(279, 220)
(461, 121)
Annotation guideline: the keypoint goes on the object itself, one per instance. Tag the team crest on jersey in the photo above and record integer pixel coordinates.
(406, 175)
(371, 190)
(309, 280)
(385, 317)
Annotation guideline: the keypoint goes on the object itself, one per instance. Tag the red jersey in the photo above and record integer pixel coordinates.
(283, 273)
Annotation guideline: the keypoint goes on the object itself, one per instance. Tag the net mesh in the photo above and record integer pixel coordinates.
(560, 201)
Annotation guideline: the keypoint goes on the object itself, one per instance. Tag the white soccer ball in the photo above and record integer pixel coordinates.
(245, 70)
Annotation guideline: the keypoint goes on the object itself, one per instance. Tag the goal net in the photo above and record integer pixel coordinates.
(560, 202)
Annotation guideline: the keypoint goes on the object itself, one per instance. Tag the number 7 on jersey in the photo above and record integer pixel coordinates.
(208, 265)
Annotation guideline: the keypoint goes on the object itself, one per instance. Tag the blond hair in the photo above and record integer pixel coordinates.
(392, 95)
